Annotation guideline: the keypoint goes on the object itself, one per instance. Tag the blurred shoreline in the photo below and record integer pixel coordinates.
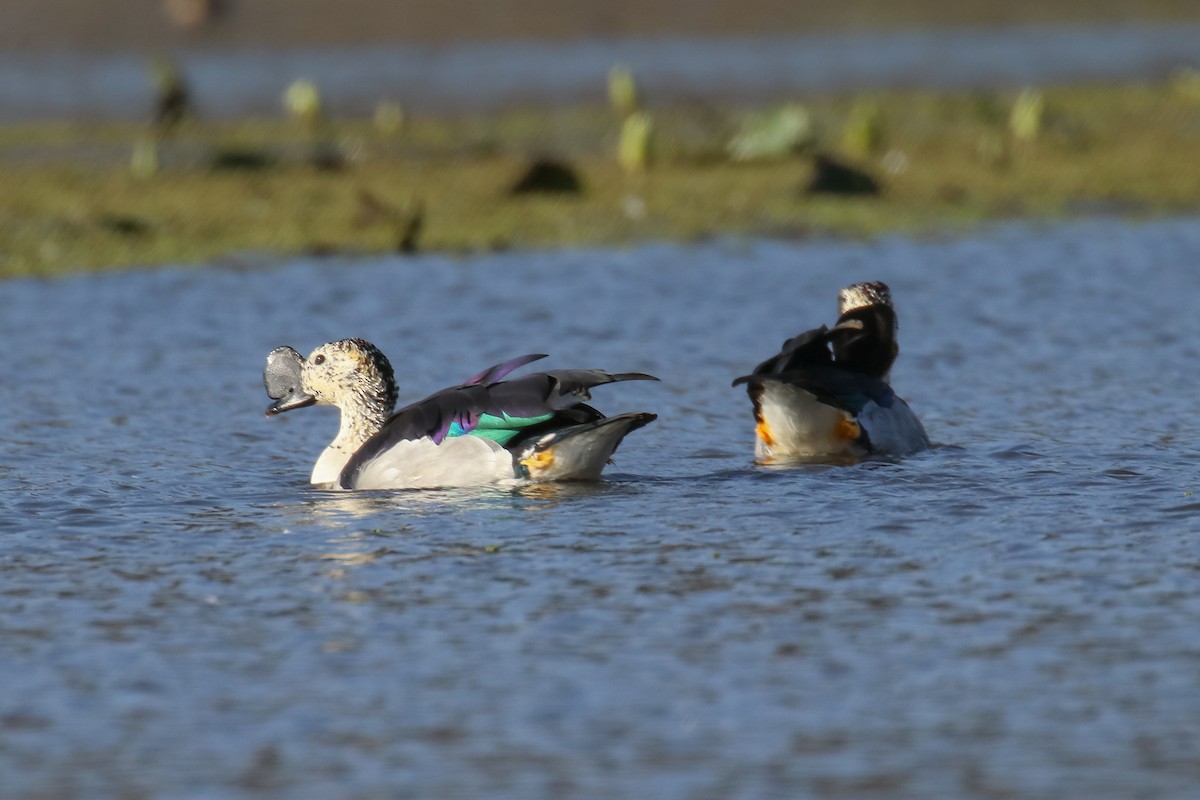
(485, 77)
(978, 113)
(168, 26)
(82, 196)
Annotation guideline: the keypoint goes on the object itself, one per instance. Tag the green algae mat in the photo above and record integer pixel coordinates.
(85, 196)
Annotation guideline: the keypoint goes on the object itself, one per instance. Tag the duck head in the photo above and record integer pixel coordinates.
(351, 374)
(864, 338)
(864, 295)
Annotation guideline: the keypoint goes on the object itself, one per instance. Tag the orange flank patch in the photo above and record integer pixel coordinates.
(764, 433)
(538, 461)
(847, 429)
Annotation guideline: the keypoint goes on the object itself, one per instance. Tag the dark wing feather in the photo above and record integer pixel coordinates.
(810, 348)
(493, 374)
(864, 340)
(544, 392)
(560, 392)
(833, 386)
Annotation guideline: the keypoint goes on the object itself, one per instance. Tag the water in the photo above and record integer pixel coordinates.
(496, 75)
(1011, 614)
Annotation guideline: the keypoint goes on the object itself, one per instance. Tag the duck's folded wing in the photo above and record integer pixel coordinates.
(807, 349)
(497, 372)
(850, 391)
(460, 408)
(556, 390)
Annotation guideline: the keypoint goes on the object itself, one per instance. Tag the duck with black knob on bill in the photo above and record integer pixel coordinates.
(486, 430)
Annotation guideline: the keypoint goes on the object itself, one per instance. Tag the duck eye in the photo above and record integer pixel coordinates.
(319, 358)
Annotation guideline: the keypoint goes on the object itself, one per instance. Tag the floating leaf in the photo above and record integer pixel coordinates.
(1028, 114)
(775, 134)
(303, 101)
(863, 134)
(633, 151)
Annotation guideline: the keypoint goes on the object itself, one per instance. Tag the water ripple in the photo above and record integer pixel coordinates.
(1009, 613)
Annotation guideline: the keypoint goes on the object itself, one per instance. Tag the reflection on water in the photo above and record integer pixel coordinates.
(1009, 613)
(340, 509)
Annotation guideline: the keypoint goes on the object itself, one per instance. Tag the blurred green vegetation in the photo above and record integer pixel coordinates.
(71, 200)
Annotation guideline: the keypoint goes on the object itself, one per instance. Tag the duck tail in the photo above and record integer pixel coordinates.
(578, 452)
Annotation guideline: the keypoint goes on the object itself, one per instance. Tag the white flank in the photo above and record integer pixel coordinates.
(800, 426)
(421, 464)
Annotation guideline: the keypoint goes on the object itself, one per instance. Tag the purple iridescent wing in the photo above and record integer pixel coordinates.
(493, 374)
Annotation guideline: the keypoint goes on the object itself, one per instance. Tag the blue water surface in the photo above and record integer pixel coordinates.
(1012, 614)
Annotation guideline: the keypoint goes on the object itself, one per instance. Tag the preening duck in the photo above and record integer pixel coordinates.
(486, 430)
(826, 393)
(864, 337)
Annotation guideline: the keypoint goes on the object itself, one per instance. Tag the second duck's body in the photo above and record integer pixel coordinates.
(486, 430)
(826, 393)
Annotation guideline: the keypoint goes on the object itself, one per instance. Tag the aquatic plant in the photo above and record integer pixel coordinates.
(302, 100)
(863, 134)
(172, 98)
(622, 91)
(634, 149)
(208, 207)
(1027, 116)
(777, 133)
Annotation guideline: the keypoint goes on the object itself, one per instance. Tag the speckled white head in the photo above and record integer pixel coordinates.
(349, 373)
(862, 295)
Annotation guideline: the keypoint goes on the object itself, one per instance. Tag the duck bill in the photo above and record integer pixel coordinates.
(282, 380)
(293, 399)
